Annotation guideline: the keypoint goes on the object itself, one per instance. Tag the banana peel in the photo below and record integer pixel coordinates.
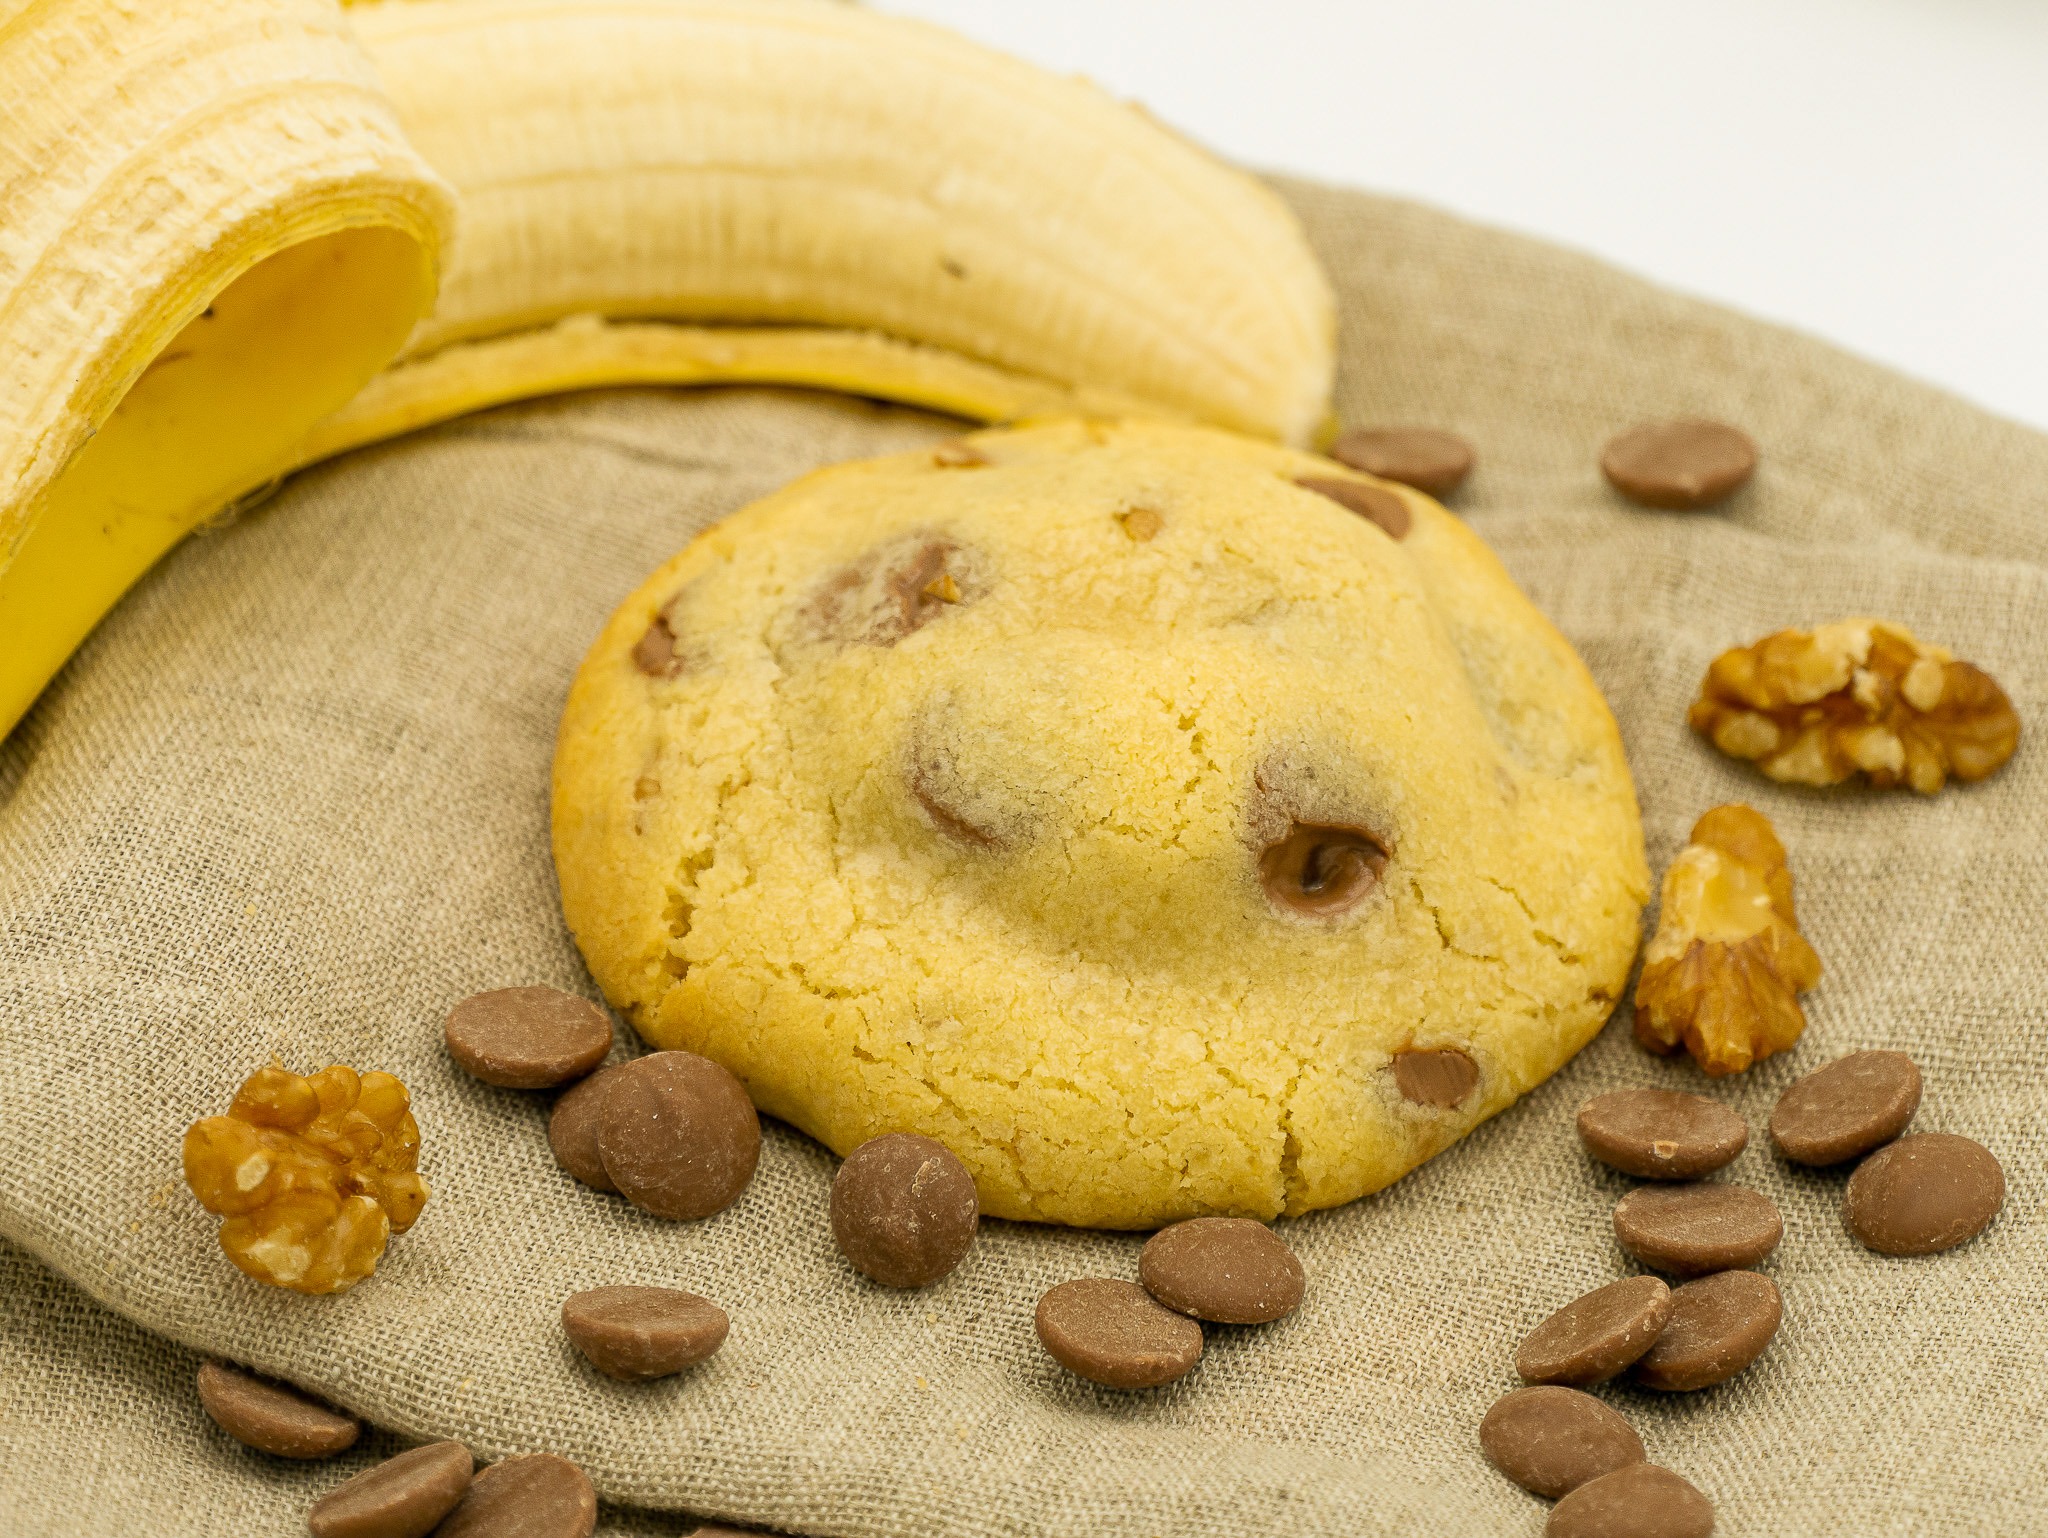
(240, 236)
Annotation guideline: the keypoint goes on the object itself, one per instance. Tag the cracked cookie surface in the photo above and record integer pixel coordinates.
(1110, 807)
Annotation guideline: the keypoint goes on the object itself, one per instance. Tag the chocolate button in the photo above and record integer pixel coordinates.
(1846, 1109)
(536, 1496)
(1373, 503)
(677, 1134)
(1682, 465)
(1924, 1193)
(1426, 458)
(1693, 1229)
(1718, 1326)
(904, 1210)
(401, 1497)
(1552, 1440)
(1112, 1333)
(272, 1418)
(638, 1333)
(1439, 1078)
(527, 1038)
(1595, 1336)
(1321, 871)
(572, 1130)
(1661, 1134)
(1642, 1501)
(1227, 1270)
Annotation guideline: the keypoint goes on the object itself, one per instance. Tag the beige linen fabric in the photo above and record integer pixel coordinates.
(292, 799)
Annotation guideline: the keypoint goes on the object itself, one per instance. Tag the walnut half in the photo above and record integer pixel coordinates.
(312, 1174)
(1815, 707)
(1723, 974)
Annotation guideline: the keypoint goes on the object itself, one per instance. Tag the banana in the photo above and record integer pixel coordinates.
(645, 191)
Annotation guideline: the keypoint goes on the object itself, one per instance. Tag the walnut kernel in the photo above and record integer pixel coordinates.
(312, 1174)
(1815, 707)
(1723, 974)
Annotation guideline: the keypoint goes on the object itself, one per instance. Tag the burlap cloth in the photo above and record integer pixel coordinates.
(292, 799)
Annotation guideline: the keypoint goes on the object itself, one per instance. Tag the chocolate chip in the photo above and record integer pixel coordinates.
(572, 1130)
(1320, 871)
(1552, 1440)
(677, 1134)
(1141, 524)
(657, 653)
(1690, 1230)
(1427, 458)
(1112, 1333)
(1438, 1077)
(527, 1038)
(1641, 1501)
(1718, 1326)
(638, 1333)
(892, 592)
(535, 1496)
(1375, 504)
(1595, 1336)
(271, 1417)
(1924, 1193)
(1682, 465)
(401, 1497)
(904, 1210)
(1661, 1134)
(1846, 1109)
(959, 454)
(1226, 1270)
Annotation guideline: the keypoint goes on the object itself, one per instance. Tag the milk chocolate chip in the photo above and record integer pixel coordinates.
(1718, 1326)
(1112, 1333)
(402, 1497)
(1552, 1440)
(1438, 1077)
(1641, 1501)
(638, 1333)
(535, 1496)
(1595, 1336)
(1681, 465)
(1690, 1230)
(527, 1038)
(1375, 504)
(677, 1134)
(1661, 1134)
(1924, 1193)
(1427, 458)
(572, 1130)
(892, 592)
(1226, 1270)
(271, 1417)
(657, 653)
(1844, 1110)
(904, 1210)
(1321, 872)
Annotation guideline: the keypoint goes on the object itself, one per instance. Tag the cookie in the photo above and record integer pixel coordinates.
(1108, 805)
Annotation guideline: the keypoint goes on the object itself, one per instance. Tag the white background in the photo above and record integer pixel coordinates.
(1874, 171)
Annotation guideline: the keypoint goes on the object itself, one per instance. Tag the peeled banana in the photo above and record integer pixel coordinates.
(237, 236)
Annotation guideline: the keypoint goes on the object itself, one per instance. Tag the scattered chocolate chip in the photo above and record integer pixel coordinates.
(1718, 1326)
(892, 592)
(1322, 871)
(1595, 1336)
(1375, 504)
(1844, 1110)
(904, 1210)
(1427, 458)
(572, 1130)
(527, 1038)
(1641, 1501)
(638, 1333)
(1552, 1440)
(534, 1496)
(271, 1417)
(1690, 1230)
(402, 1497)
(1680, 465)
(1924, 1193)
(677, 1134)
(1225, 1270)
(1661, 1134)
(1438, 1077)
(1141, 523)
(1113, 1333)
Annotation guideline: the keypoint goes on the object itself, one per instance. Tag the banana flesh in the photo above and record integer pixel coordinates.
(220, 221)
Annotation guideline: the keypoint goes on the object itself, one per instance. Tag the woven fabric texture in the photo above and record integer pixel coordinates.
(291, 799)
